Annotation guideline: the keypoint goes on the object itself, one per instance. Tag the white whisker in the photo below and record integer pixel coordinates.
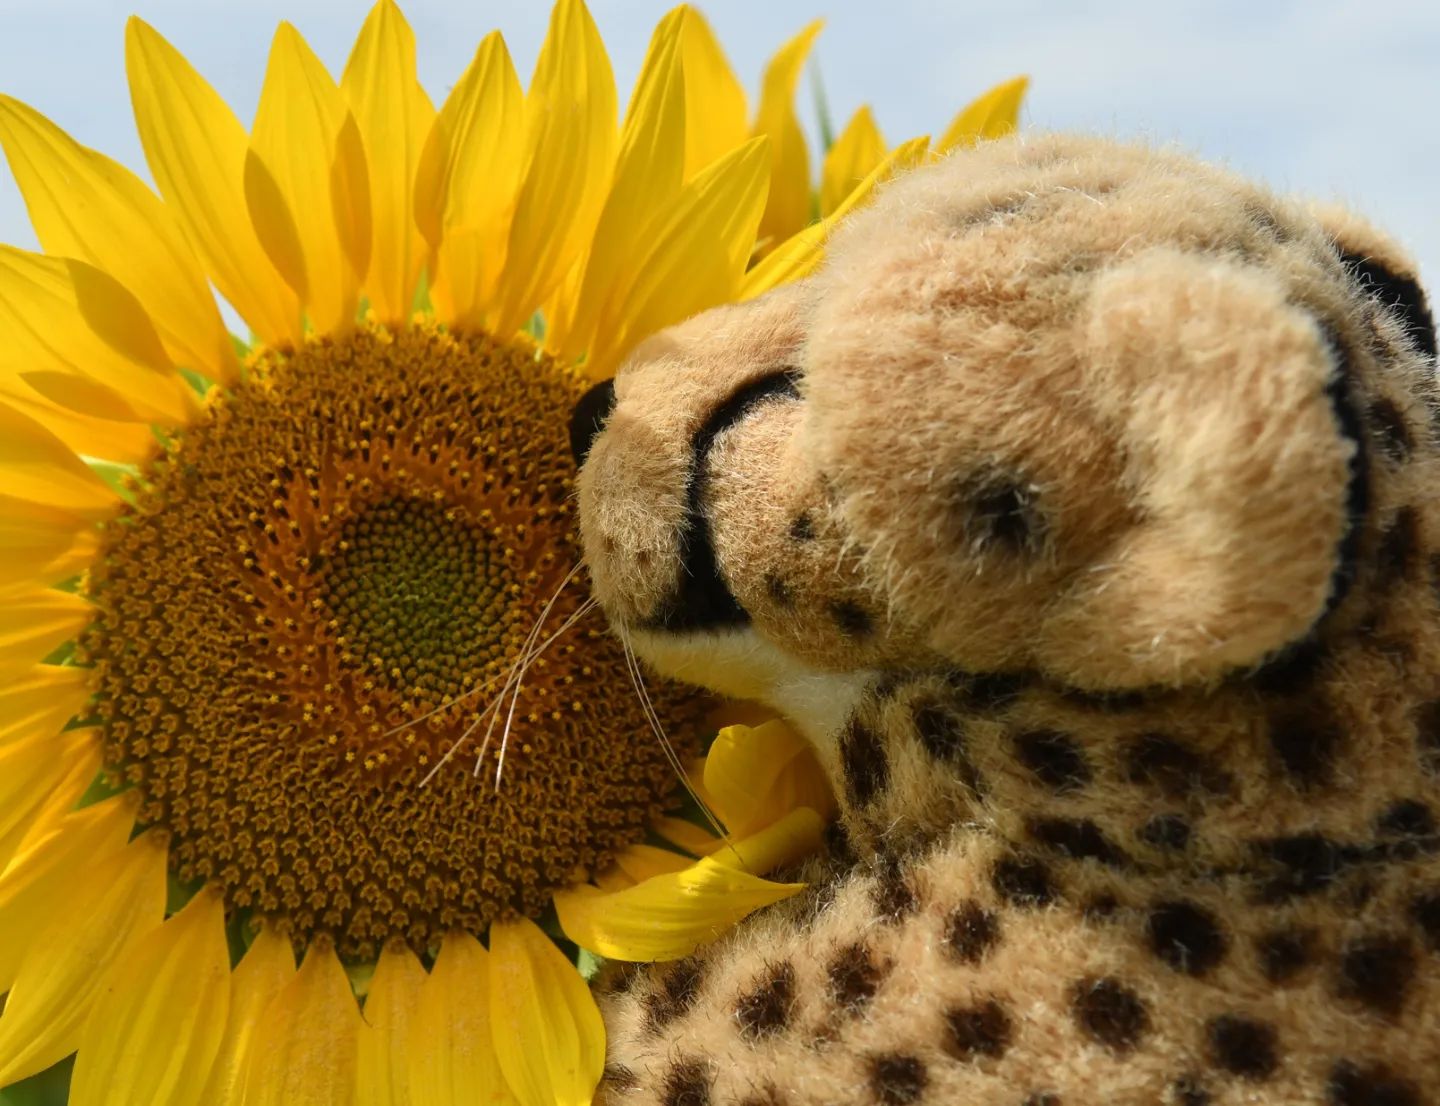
(632, 665)
(579, 613)
(509, 675)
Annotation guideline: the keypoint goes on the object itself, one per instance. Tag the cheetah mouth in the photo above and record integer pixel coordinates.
(702, 600)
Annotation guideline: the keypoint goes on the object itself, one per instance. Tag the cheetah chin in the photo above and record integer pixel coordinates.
(1081, 512)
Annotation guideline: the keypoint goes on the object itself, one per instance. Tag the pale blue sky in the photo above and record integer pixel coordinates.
(1334, 98)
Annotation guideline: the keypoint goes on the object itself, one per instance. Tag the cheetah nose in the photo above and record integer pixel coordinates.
(589, 417)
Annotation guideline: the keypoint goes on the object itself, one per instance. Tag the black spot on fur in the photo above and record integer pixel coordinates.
(1054, 758)
(1110, 1012)
(1166, 831)
(1079, 838)
(1376, 972)
(1171, 768)
(854, 977)
(1427, 734)
(1353, 1084)
(1041, 1098)
(1101, 908)
(892, 894)
(837, 843)
(1425, 909)
(980, 1030)
(802, 527)
(896, 1079)
(764, 1010)
(778, 590)
(1293, 671)
(1244, 1047)
(1284, 953)
(1406, 818)
(1189, 1091)
(939, 731)
(1399, 293)
(619, 1079)
(867, 770)
(1399, 545)
(686, 1083)
(1303, 864)
(1187, 937)
(971, 931)
(1022, 881)
(999, 512)
(1305, 741)
(675, 994)
(994, 691)
(853, 620)
(1390, 428)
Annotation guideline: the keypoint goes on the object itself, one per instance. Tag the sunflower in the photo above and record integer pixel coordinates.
(295, 657)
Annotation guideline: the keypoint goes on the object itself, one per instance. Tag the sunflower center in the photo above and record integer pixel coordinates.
(309, 629)
(416, 596)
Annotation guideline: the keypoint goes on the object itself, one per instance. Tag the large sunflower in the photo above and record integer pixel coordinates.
(294, 651)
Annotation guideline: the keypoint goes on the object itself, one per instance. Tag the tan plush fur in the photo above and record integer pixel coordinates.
(1093, 545)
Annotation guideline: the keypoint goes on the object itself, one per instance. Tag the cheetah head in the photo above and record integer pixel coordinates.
(1056, 406)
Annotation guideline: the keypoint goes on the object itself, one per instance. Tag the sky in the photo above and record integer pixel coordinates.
(1334, 99)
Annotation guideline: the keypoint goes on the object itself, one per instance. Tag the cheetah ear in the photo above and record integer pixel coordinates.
(1238, 451)
(1384, 270)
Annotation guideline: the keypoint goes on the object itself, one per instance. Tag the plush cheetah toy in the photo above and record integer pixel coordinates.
(1082, 513)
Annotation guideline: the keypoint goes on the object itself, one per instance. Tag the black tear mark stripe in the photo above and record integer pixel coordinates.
(703, 600)
(1341, 394)
(1397, 293)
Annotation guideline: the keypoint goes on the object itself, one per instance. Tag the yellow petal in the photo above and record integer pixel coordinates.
(993, 114)
(41, 701)
(690, 837)
(111, 904)
(383, 1073)
(859, 148)
(64, 316)
(28, 768)
(670, 916)
(84, 761)
(394, 116)
(268, 965)
(38, 879)
(715, 112)
(297, 139)
(648, 173)
(789, 206)
(642, 862)
(86, 206)
(36, 467)
(570, 122)
(800, 255)
(303, 1050)
(696, 255)
(196, 150)
(547, 1032)
(451, 1057)
(465, 187)
(154, 1030)
(756, 776)
(123, 442)
(40, 546)
(34, 624)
